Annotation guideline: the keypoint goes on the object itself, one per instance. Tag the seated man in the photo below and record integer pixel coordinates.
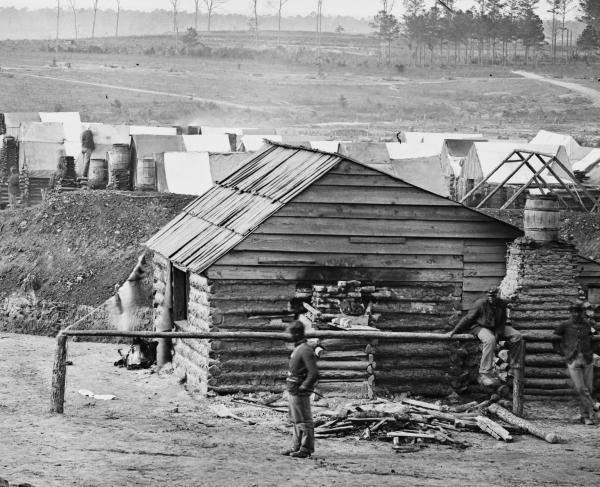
(487, 321)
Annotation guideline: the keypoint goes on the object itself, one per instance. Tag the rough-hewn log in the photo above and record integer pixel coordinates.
(412, 375)
(544, 360)
(546, 373)
(59, 375)
(515, 420)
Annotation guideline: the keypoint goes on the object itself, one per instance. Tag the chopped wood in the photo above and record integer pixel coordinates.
(260, 406)
(331, 431)
(463, 407)
(492, 428)
(423, 404)
(375, 427)
(408, 434)
(510, 418)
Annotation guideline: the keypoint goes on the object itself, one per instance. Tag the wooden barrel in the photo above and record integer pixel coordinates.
(98, 174)
(146, 174)
(118, 157)
(541, 220)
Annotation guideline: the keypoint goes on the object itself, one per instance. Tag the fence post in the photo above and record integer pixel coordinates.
(518, 379)
(59, 375)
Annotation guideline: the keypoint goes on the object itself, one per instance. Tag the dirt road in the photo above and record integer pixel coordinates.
(155, 434)
(592, 94)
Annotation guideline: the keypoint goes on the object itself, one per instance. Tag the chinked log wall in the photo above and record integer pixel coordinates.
(434, 256)
(545, 280)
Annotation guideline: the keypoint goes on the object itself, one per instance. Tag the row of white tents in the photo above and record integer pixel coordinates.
(191, 163)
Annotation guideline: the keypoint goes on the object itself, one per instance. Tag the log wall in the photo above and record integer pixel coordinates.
(434, 256)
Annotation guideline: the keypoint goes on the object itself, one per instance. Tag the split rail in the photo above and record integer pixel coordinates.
(59, 372)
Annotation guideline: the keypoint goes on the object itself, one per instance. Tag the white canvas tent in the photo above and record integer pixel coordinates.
(206, 130)
(105, 136)
(574, 150)
(72, 129)
(483, 157)
(253, 143)
(41, 146)
(325, 145)
(435, 139)
(13, 120)
(207, 143)
(590, 167)
(148, 130)
(187, 173)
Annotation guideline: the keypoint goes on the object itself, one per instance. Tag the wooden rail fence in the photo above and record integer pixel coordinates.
(59, 372)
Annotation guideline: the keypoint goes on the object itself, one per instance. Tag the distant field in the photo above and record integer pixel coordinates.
(278, 92)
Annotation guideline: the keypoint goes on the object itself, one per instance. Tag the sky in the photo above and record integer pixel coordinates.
(355, 8)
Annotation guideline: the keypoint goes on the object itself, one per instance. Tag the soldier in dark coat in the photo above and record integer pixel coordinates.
(487, 320)
(301, 379)
(576, 346)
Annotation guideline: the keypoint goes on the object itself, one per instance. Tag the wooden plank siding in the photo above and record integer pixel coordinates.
(355, 224)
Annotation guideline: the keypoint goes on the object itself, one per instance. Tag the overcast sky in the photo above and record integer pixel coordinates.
(357, 8)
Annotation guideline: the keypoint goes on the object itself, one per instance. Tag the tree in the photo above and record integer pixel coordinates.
(118, 15)
(387, 6)
(95, 11)
(590, 37)
(339, 29)
(319, 29)
(279, 10)
(57, 19)
(254, 20)
(531, 31)
(387, 29)
(74, 9)
(175, 25)
(211, 6)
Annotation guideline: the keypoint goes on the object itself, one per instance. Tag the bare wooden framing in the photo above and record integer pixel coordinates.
(526, 185)
(484, 180)
(538, 178)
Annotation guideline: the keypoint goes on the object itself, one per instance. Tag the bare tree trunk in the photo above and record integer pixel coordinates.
(209, 15)
(74, 9)
(94, 18)
(57, 19)
(118, 15)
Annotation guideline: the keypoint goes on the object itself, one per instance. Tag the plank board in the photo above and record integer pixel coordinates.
(371, 195)
(329, 274)
(485, 270)
(342, 260)
(387, 212)
(341, 244)
(480, 284)
(375, 179)
(371, 227)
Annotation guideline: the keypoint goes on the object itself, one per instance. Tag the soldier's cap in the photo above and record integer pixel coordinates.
(493, 291)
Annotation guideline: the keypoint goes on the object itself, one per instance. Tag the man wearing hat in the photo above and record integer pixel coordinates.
(487, 320)
(301, 379)
(576, 346)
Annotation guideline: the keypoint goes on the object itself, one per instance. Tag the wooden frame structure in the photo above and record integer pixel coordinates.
(524, 157)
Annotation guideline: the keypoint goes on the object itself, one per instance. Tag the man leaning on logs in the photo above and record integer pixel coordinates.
(487, 320)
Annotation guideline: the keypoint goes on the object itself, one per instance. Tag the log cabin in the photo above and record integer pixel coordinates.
(243, 255)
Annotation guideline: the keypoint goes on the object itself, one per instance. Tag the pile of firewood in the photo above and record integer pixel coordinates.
(411, 424)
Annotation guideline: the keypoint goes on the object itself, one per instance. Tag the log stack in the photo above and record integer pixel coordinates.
(541, 279)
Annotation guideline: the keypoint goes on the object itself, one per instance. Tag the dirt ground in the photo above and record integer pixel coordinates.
(155, 433)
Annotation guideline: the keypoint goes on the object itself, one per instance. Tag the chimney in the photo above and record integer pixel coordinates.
(542, 281)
